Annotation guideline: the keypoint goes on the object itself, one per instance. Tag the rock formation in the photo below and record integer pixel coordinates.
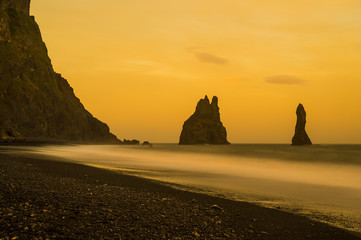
(147, 143)
(131, 142)
(7, 135)
(34, 100)
(204, 126)
(301, 137)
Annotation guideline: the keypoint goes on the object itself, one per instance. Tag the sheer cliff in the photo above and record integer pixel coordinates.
(34, 100)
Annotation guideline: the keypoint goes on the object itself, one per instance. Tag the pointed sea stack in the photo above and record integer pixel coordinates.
(35, 101)
(204, 126)
(301, 137)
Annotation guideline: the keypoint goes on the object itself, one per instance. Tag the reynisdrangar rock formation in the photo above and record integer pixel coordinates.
(301, 137)
(204, 126)
(34, 100)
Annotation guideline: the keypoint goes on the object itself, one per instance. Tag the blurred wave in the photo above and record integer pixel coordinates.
(322, 182)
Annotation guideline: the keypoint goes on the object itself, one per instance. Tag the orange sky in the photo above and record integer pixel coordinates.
(141, 66)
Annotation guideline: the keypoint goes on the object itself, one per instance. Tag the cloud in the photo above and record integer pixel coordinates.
(208, 57)
(285, 79)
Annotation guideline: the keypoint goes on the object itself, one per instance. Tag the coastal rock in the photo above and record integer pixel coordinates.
(204, 126)
(147, 143)
(34, 100)
(8, 135)
(301, 137)
(131, 142)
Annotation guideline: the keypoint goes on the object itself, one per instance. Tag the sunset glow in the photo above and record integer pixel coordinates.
(141, 66)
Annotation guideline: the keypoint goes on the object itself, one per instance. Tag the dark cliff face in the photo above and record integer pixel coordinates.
(34, 100)
(20, 6)
(204, 126)
(301, 137)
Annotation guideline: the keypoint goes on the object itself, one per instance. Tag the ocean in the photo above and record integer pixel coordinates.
(322, 182)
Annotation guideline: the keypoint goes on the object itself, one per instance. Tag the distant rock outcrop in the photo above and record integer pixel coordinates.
(301, 137)
(147, 143)
(34, 100)
(204, 126)
(131, 142)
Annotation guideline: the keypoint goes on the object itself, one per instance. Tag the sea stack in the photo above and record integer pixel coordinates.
(35, 101)
(301, 137)
(204, 126)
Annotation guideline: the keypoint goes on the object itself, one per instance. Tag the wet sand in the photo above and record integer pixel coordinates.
(46, 199)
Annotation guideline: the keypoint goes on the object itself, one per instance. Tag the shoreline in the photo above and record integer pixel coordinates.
(62, 200)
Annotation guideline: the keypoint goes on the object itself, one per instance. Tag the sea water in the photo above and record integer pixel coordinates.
(322, 182)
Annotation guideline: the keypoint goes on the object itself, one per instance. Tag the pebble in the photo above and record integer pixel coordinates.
(216, 207)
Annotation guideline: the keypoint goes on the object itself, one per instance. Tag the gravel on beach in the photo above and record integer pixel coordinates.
(44, 199)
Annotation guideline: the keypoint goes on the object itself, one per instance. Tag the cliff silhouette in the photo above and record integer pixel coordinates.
(35, 101)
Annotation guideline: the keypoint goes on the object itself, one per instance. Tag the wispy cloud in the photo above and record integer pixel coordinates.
(208, 57)
(285, 79)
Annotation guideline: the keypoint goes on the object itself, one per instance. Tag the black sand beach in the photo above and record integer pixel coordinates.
(43, 199)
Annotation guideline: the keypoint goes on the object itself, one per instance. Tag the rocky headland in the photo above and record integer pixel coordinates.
(35, 101)
(204, 126)
(301, 137)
